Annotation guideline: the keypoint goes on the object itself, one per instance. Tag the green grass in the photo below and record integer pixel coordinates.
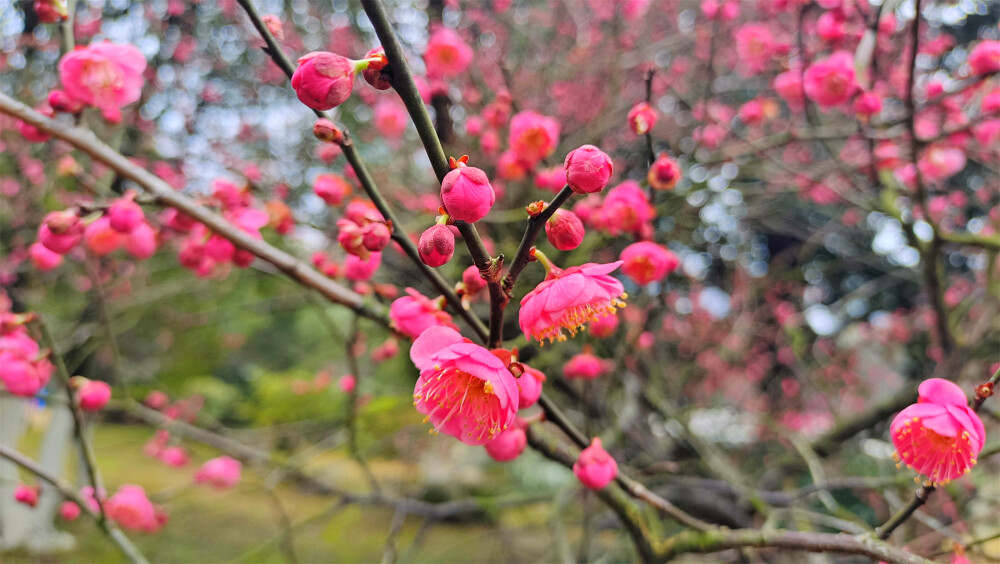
(243, 525)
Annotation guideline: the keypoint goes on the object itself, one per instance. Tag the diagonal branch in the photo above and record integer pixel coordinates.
(281, 59)
(86, 141)
(67, 491)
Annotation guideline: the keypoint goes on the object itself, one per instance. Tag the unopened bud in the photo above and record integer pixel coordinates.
(436, 245)
(376, 235)
(273, 24)
(378, 73)
(326, 131)
(565, 230)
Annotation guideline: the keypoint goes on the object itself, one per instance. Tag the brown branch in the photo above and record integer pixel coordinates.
(446, 289)
(70, 493)
(86, 141)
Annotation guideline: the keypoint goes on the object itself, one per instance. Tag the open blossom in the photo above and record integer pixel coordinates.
(830, 82)
(940, 162)
(755, 45)
(390, 118)
(588, 169)
(132, 510)
(940, 436)
(647, 262)
(569, 299)
(414, 313)
(220, 473)
(626, 209)
(324, 80)
(105, 75)
(463, 389)
(642, 118)
(467, 194)
(533, 136)
(788, 85)
(447, 54)
(595, 468)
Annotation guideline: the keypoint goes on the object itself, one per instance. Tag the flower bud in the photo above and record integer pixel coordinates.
(100, 238)
(91, 394)
(69, 511)
(646, 262)
(28, 495)
(43, 258)
(642, 118)
(378, 73)
(376, 235)
(62, 102)
(588, 169)
(436, 245)
(332, 188)
(125, 215)
(467, 194)
(595, 468)
(51, 11)
(323, 80)
(273, 24)
(60, 232)
(328, 132)
(351, 237)
(507, 445)
(472, 280)
(664, 173)
(564, 230)
(529, 387)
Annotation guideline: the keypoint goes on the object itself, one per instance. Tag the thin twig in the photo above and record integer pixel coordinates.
(281, 59)
(87, 142)
(113, 532)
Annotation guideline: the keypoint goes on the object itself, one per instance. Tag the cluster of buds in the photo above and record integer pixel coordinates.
(24, 366)
(363, 233)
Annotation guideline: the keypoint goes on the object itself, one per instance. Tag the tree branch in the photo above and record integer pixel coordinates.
(113, 532)
(87, 142)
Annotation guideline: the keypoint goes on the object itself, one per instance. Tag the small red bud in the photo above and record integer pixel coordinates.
(436, 245)
(565, 230)
(378, 73)
(273, 24)
(326, 131)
